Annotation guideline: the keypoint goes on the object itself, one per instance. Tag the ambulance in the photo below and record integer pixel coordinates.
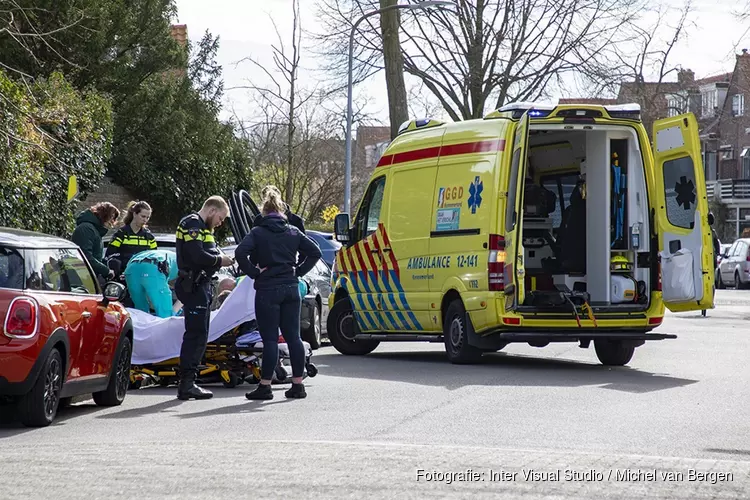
(538, 223)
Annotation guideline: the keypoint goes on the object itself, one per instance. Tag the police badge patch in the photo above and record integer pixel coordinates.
(193, 233)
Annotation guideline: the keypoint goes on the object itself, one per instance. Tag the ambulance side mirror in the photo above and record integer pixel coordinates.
(341, 228)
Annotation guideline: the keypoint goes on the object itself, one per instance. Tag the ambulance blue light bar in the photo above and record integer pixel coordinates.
(535, 109)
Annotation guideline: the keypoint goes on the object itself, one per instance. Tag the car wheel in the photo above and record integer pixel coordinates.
(312, 334)
(737, 281)
(454, 335)
(614, 352)
(119, 379)
(719, 283)
(39, 407)
(341, 330)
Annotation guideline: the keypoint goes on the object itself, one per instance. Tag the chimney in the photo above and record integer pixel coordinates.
(179, 33)
(685, 77)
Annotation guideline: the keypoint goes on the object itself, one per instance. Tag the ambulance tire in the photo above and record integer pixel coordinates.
(455, 337)
(342, 316)
(614, 352)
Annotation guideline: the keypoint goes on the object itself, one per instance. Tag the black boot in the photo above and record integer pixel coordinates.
(261, 392)
(188, 390)
(297, 391)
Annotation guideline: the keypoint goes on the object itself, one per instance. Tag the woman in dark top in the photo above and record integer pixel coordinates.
(132, 238)
(91, 226)
(268, 255)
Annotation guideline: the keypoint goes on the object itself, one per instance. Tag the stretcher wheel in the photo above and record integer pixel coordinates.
(234, 381)
(312, 370)
(135, 385)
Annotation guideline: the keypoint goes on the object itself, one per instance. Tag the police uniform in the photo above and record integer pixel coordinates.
(126, 243)
(198, 259)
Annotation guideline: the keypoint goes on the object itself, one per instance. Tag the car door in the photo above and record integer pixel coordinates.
(681, 215)
(363, 257)
(100, 326)
(242, 213)
(47, 281)
(323, 282)
(510, 253)
(726, 267)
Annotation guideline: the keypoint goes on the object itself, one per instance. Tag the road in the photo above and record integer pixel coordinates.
(369, 425)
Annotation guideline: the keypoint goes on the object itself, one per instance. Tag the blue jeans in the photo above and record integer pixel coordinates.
(274, 309)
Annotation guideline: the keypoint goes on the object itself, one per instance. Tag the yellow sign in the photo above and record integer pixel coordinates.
(72, 187)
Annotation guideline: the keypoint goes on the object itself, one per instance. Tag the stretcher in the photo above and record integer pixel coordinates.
(233, 353)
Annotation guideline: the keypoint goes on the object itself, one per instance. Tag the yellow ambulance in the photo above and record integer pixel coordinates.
(536, 224)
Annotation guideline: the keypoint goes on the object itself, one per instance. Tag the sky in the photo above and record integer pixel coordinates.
(714, 37)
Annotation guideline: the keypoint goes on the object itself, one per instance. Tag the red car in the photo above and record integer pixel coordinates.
(61, 336)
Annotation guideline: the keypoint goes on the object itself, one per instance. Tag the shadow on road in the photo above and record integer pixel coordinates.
(10, 426)
(495, 369)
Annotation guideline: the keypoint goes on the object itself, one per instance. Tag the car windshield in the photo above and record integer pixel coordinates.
(11, 268)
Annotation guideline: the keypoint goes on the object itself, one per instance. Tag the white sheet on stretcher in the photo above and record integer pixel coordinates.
(159, 339)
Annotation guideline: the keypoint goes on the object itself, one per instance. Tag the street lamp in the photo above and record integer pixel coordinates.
(348, 164)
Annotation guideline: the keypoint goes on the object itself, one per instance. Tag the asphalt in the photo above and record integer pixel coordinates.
(404, 423)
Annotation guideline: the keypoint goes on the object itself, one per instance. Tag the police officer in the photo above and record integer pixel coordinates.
(198, 258)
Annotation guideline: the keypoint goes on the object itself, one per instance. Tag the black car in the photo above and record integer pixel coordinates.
(328, 245)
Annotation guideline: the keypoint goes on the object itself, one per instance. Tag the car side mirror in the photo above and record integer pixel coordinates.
(113, 292)
(710, 219)
(341, 228)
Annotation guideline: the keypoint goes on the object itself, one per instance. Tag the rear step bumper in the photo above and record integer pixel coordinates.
(575, 335)
(535, 336)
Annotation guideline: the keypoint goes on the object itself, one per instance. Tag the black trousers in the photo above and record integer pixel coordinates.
(279, 309)
(197, 316)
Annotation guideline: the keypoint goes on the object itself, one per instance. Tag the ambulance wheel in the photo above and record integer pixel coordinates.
(342, 328)
(454, 334)
(614, 352)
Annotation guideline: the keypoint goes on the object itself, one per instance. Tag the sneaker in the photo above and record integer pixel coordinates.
(297, 391)
(260, 392)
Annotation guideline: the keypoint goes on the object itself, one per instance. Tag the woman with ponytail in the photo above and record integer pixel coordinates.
(132, 238)
(268, 255)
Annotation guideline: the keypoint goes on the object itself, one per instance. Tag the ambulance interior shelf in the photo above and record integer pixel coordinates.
(574, 174)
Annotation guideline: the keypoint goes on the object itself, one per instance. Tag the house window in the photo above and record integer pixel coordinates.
(745, 174)
(738, 105)
(709, 102)
(673, 106)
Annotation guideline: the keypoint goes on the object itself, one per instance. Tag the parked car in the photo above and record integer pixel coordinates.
(328, 245)
(62, 335)
(734, 267)
(314, 316)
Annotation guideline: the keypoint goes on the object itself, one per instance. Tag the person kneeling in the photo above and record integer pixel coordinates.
(148, 276)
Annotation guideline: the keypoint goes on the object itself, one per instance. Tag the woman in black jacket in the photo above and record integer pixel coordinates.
(268, 255)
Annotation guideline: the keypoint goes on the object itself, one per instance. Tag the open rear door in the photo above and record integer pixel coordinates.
(242, 214)
(513, 271)
(681, 215)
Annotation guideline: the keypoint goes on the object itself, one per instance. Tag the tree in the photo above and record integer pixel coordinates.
(643, 71)
(293, 136)
(394, 66)
(487, 52)
(113, 45)
(170, 147)
(49, 132)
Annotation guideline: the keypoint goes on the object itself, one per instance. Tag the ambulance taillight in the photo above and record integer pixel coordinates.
(496, 263)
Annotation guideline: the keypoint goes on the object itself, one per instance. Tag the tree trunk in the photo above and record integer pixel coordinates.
(394, 66)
